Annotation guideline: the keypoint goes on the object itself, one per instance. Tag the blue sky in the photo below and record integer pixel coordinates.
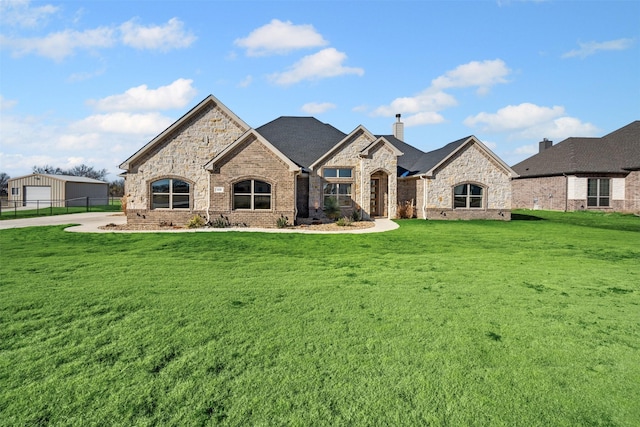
(93, 81)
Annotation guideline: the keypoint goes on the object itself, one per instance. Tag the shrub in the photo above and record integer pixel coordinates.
(282, 222)
(221, 222)
(196, 221)
(343, 222)
(356, 215)
(331, 208)
(406, 209)
(123, 204)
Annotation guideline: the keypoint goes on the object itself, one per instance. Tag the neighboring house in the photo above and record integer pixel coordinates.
(583, 173)
(211, 163)
(43, 190)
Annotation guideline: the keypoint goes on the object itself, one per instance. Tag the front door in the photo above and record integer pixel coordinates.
(375, 197)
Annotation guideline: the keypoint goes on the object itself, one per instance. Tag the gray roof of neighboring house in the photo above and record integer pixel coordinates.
(302, 139)
(616, 152)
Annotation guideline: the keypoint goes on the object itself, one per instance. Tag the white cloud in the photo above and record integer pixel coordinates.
(527, 150)
(278, 37)
(164, 38)
(19, 13)
(246, 82)
(591, 48)
(6, 104)
(60, 45)
(175, 95)
(478, 74)
(101, 141)
(317, 107)
(324, 64)
(514, 117)
(529, 121)
(428, 100)
(122, 123)
(424, 118)
(424, 108)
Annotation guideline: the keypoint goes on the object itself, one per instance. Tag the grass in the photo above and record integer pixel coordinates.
(530, 323)
(11, 213)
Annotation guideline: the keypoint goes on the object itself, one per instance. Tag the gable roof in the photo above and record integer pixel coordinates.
(616, 152)
(301, 139)
(251, 133)
(205, 103)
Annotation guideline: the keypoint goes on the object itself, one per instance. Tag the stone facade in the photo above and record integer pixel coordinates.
(381, 160)
(470, 165)
(182, 154)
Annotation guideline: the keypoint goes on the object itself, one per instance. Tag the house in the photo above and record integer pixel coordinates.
(211, 163)
(582, 173)
(44, 190)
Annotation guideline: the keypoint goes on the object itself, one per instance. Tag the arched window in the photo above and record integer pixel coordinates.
(252, 194)
(468, 196)
(170, 193)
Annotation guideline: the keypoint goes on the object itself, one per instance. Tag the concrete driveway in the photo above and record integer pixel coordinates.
(91, 221)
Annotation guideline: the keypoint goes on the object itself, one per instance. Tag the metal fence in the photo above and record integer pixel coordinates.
(49, 207)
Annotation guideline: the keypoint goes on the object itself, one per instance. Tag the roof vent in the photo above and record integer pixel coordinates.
(544, 144)
(398, 128)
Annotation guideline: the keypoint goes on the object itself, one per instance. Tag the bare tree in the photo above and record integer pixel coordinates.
(4, 184)
(116, 188)
(81, 170)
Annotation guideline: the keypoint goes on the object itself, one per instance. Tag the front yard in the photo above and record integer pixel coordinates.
(532, 322)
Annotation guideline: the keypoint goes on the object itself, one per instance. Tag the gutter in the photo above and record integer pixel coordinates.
(424, 196)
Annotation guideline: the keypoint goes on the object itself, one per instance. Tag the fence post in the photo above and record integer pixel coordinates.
(87, 203)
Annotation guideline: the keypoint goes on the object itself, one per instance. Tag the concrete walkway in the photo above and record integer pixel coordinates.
(91, 221)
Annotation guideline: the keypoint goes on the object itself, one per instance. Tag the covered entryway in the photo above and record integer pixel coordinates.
(37, 196)
(378, 197)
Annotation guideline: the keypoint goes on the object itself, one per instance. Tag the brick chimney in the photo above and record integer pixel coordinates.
(544, 144)
(398, 128)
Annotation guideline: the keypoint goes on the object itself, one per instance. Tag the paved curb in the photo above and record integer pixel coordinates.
(91, 221)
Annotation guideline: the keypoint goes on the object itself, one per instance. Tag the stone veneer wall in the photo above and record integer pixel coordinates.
(381, 158)
(252, 160)
(470, 165)
(548, 193)
(182, 155)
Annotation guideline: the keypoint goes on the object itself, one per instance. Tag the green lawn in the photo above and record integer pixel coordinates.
(533, 322)
(8, 213)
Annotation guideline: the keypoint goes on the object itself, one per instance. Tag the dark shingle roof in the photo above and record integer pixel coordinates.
(302, 139)
(409, 157)
(613, 153)
(428, 160)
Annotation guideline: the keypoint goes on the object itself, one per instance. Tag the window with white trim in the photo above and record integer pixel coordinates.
(170, 193)
(339, 191)
(15, 191)
(598, 192)
(468, 196)
(252, 194)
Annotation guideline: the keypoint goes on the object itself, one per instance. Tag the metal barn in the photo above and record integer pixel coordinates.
(44, 190)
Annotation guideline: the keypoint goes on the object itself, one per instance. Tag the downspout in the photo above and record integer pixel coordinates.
(208, 196)
(424, 196)
(295, 194)
(362, 187)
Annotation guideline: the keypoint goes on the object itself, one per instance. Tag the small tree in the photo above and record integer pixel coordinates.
(331, 208)
(116, 188)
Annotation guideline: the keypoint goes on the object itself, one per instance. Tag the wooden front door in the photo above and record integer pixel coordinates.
(375, 197)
